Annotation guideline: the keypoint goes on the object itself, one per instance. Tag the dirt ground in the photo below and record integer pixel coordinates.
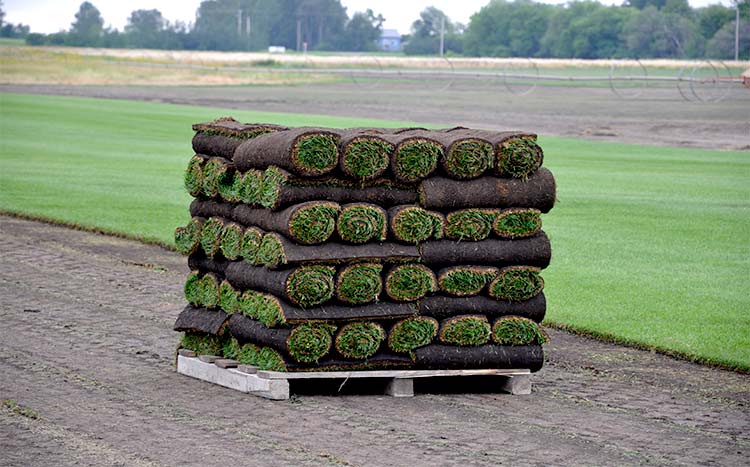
(658, 116)
(86, 353)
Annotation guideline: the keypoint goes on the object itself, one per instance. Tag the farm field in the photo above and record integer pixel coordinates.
(651, 244)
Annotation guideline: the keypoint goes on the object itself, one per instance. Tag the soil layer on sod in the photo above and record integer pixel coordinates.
(447, 357)
(532, 251)
(209, 208)
(440, 307)
(200, 262)
(336, 253)
(444, 194)
(305, 286)
(306, 151)
(193, 319)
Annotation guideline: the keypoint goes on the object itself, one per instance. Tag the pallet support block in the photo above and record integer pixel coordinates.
(516, 385)
(400, 387)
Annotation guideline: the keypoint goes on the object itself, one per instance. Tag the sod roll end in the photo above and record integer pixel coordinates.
(517, 223)
(411, 333)
(517, 283)
(468, 158)
(466, 330)
(361, 223)
(308, 343)
(516, 330)
(464, 281)
(187, 239)
(359, 283)
(309, 286)
(366, 157)
(409, 282)
(518, 157)
(359, 340)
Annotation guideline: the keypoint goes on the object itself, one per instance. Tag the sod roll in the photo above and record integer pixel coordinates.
(409, 282)
(200, 262)
(193, 177)
(516, 284)
(230, 243)
(221, 137)
(443, 194)
(517, 223)
(217, 171)
(307, 223)
(360, 283)
(517, 154)
(464, 281)
(202, 289)
(251, 240)
(280, 189)
(531, 251)
(470, 224)
(229, 297)
(304, 286)
(465, 156)
(361, 223)
(437, 357)
(413, 224)
(441, 307)
(308, 152)
(359, 340)
(465, 330)
(202, 343)
(211, 208)
(187, 239)
(411, 333)
(192, 319)
(416, 155)
(516, 330)
(364, 155)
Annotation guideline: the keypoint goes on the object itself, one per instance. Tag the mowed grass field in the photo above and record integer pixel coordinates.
(651, 246)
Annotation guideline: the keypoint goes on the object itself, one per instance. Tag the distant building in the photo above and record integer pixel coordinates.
(390, 40)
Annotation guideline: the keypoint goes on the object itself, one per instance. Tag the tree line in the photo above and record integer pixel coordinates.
(520, 28)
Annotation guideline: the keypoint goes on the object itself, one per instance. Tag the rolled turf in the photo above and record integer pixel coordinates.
(516, 330)
(229, 297)
(465, 330)
(304, 286)
(193, 177)
(221, 137)
(441, 307)
(409, 282)
(470, 224)
(416, 156)
(406, 335)
(307, 223)
(187, 239)
(465, 156)
(444, 194)
(202, 289)
(211, 235)
(251, 240)
(201, 320)
(364, 156)
(280, 189)
(516, 153)
(361, 222)
(211, 208)
(305, 151)
(198, 261)
(250, 184)
(202, 343)
(357, 284)
(517, 223)
(359, 340)
(413, 224)
(463, 281)
(531, 251)
(216, 171)
(446, 357)
(516, 283)
(231, 240)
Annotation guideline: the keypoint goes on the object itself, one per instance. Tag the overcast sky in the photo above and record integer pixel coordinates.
(54, 15)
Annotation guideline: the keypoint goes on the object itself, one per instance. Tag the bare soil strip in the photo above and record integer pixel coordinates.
(658, 117)
(87, 346)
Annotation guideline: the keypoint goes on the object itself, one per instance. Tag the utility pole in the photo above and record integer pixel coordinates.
(299, 34)
(737, 31)
(442, 35)
(247, 26)
(239, 23)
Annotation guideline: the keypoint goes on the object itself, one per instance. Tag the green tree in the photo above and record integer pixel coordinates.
(88, 28)
(641, 4)
(653, 33)
(216, 25)
(425, 34)
(722, 44)
(322, 22)
(507, 29)
(2, 14)
(712, 18)
(362, 31)
(146, 29)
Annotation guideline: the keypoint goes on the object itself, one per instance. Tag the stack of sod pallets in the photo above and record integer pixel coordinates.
(316, 249)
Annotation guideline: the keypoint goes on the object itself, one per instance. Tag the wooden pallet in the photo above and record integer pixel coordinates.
(275, 385)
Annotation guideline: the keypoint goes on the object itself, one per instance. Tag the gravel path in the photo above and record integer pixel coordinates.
(86, 353)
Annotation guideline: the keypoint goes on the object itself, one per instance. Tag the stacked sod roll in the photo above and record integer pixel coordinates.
(319, 249)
